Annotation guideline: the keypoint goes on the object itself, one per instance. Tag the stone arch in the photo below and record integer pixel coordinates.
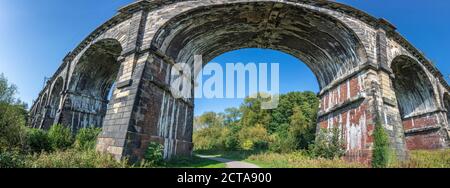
(447, 107)
(329, 48)
(42, 109)
(54, 102)
(91, 81)
(414, 90)
(417, 104)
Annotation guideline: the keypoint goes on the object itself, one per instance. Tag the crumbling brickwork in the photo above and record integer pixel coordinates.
(359, 61)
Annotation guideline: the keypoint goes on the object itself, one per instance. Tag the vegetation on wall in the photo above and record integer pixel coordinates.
(380, 158)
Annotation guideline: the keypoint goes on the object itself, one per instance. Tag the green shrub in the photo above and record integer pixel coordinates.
(211, 138)
(282, 143)
(231, 139)
(12, 159)
(86, 138)
(154, 155)
(60, 137)
(253, 138)
(328, 144)
(380, 158)
(12, 126)
(37, 140)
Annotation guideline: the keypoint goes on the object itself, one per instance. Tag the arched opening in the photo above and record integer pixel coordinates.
(42, 111)
(413, 88)
(327, 46)
(91, 84)
(416, 103)
(53, 106)
(237, 123)
(447, 107)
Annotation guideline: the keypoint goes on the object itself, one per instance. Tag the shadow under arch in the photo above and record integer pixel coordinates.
(417, 104)
(447, 107)
(42, 110)
(54, 102)
(413, 87)
(328, 47)
(91, 81)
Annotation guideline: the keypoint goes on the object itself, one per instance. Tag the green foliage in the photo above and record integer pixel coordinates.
(12, 126)
(208, 119)
(288, 128)
(232, 116)
(306, 102)
(328, 145)
(213, 137)
(380, 158)
(38, 141)
(86, 138)
(298, 159)
(12, 116)
(424, 159)
(73, 158)
(154, 155)
(7, 91)
(301, 130)
(60, 137)
(253, 138)
(231, 138)
(12, 159)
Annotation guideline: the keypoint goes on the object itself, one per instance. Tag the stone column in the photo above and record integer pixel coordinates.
(389, 111)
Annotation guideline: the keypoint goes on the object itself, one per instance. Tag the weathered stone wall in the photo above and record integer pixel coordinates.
(347, 107)
(353, 65)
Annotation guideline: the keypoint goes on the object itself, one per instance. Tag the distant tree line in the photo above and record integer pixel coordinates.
(290, 127)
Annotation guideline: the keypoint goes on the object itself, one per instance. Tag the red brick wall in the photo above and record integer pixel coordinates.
(342, 93)
(420, 122)
(424, 141)
(354, 121)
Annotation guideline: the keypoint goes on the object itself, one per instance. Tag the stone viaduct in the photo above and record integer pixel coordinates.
(366, 70)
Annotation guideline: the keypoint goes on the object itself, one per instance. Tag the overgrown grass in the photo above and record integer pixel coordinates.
(417, 159)
(298, 160)
(194, 162)
(283, 160)
(425, 159)
(73, 158)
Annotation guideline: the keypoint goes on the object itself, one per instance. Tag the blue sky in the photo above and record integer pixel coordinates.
(36, 34)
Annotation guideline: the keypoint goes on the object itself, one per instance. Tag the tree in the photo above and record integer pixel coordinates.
(12, 116)
(301, 131)
(12, 126)
(253, 114)
(209, 119)
(7, 91)
(232, 115)
(307, 102)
